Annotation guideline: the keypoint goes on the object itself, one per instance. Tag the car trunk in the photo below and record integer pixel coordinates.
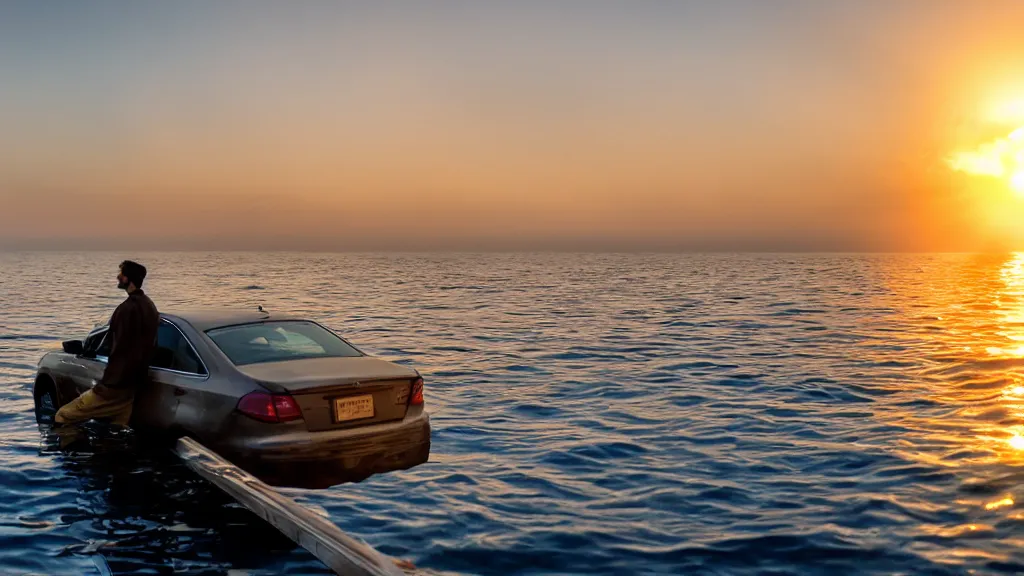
(336, 393)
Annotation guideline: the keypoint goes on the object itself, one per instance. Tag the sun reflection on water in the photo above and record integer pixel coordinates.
(976, 370)
(999, 504)
(1011, 308)
(1016, 441)
(1014, 392)
(1010, 316)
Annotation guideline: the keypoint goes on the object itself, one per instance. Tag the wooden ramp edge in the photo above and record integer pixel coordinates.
(338, 551)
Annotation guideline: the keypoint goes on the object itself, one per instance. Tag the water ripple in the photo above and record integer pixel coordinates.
(593, 414)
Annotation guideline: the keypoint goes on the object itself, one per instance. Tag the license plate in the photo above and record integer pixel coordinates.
(353, 408)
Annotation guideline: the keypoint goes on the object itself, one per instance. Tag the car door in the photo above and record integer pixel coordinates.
(84, 370)
(174, 373)
(156, 400)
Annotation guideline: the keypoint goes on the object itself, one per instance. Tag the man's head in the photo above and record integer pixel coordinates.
(131, 275)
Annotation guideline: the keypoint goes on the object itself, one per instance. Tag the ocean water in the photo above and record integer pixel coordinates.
(593, 414)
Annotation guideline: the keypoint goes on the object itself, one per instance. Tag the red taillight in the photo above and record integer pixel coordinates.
(269, 407)
(417, 392)
(287, 408)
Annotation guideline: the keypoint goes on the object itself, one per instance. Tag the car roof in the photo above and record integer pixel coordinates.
(204, 319)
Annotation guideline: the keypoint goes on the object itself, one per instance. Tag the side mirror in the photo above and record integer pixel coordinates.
(73, 347)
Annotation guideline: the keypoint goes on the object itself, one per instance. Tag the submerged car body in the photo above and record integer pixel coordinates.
(281, 396)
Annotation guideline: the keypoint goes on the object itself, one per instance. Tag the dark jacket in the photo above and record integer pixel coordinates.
(133, 329)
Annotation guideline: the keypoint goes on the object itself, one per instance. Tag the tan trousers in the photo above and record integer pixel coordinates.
(91, 405)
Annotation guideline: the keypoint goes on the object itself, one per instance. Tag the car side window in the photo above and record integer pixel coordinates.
(98, 343)
(174, 352)
(105, 344)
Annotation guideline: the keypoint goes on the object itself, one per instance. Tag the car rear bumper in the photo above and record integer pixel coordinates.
(322, 459)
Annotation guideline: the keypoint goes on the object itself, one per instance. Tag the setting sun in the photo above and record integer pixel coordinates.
(1008, 112)
(1017, 182)
(1000, 158)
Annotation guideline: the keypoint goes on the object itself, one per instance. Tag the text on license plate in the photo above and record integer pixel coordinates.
(353, 408)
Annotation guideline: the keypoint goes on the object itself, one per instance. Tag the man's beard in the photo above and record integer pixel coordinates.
(122, 285)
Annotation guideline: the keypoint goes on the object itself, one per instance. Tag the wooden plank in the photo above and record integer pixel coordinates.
(337, 550)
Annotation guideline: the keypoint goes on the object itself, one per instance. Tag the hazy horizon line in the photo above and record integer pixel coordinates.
(398, 251)
(794, 243)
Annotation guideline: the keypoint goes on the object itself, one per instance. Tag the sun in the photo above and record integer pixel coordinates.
(1002, 158)
(1017, 182)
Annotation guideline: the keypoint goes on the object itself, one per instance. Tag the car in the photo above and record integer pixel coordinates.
(281, 396)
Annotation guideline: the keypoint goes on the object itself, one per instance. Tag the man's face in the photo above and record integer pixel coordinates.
(122, 280)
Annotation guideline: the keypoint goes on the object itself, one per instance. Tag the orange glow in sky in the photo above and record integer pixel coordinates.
(632, 126)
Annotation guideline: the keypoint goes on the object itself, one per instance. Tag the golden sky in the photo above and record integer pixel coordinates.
(593, 125)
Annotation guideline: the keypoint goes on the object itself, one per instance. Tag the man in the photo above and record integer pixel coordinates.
(133, 329)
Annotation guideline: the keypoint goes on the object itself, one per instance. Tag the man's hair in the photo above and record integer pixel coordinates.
(134, 271)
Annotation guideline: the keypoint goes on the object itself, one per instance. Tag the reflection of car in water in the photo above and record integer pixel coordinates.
(141, 510)
(283, 397)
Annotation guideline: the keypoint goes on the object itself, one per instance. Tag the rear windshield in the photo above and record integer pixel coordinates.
(278, 341)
